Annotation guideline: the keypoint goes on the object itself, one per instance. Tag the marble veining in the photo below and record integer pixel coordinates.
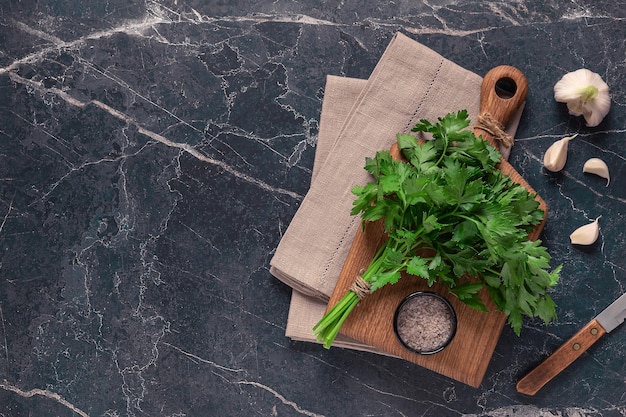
(152, 153)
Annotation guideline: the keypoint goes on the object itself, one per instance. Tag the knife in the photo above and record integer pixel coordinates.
(603, 323)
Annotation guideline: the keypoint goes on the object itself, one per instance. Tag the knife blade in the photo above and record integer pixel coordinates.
(603, 323)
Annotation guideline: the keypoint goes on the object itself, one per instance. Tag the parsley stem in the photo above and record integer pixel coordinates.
(328, 327)
(445, 140)
(376, 263)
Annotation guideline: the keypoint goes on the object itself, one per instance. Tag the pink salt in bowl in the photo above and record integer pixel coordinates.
(425, 322)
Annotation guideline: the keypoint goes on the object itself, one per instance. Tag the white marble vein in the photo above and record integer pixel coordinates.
(38, 86)
(44, 393)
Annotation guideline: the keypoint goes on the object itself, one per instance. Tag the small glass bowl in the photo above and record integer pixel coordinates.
(425, 322)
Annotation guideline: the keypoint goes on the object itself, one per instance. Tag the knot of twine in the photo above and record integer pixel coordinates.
(360, 287)
(490, 125)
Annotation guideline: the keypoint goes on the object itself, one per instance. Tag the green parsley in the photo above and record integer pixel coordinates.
(450, 214)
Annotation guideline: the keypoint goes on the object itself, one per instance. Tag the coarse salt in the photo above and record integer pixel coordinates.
(425, 323)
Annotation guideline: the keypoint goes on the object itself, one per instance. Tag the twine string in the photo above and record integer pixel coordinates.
(360, 287)
(490, 125)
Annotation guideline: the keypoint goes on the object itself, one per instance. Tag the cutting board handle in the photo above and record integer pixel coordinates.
(502, 93)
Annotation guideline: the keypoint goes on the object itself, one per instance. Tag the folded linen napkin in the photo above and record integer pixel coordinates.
(409, 83)
(340, 94)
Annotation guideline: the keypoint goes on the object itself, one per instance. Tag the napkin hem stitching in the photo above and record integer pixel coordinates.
(425, 96)
(339, 245)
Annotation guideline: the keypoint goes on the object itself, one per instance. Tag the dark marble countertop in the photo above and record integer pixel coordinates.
(153, 152)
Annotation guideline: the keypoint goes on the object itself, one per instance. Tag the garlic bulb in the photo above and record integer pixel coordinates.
(587, 234)
(597, 166)
(555, 157)
(586, 94)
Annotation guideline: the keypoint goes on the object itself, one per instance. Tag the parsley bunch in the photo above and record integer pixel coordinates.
(451, 214)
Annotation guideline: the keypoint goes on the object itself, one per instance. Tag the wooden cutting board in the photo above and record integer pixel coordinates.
(371, 322)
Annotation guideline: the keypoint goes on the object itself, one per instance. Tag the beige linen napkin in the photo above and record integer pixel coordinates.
(410, 82)
(340, 95)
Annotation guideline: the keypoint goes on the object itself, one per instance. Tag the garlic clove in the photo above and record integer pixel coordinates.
(587, 234)
(555, 157)
(586, 94)
(597, 166)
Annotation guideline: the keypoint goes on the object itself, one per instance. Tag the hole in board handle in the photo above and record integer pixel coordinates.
(506, 88)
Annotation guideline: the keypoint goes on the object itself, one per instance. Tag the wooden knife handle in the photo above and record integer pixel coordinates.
(561, 358)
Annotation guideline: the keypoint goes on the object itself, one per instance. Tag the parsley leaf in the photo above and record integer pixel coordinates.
(450, 214)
